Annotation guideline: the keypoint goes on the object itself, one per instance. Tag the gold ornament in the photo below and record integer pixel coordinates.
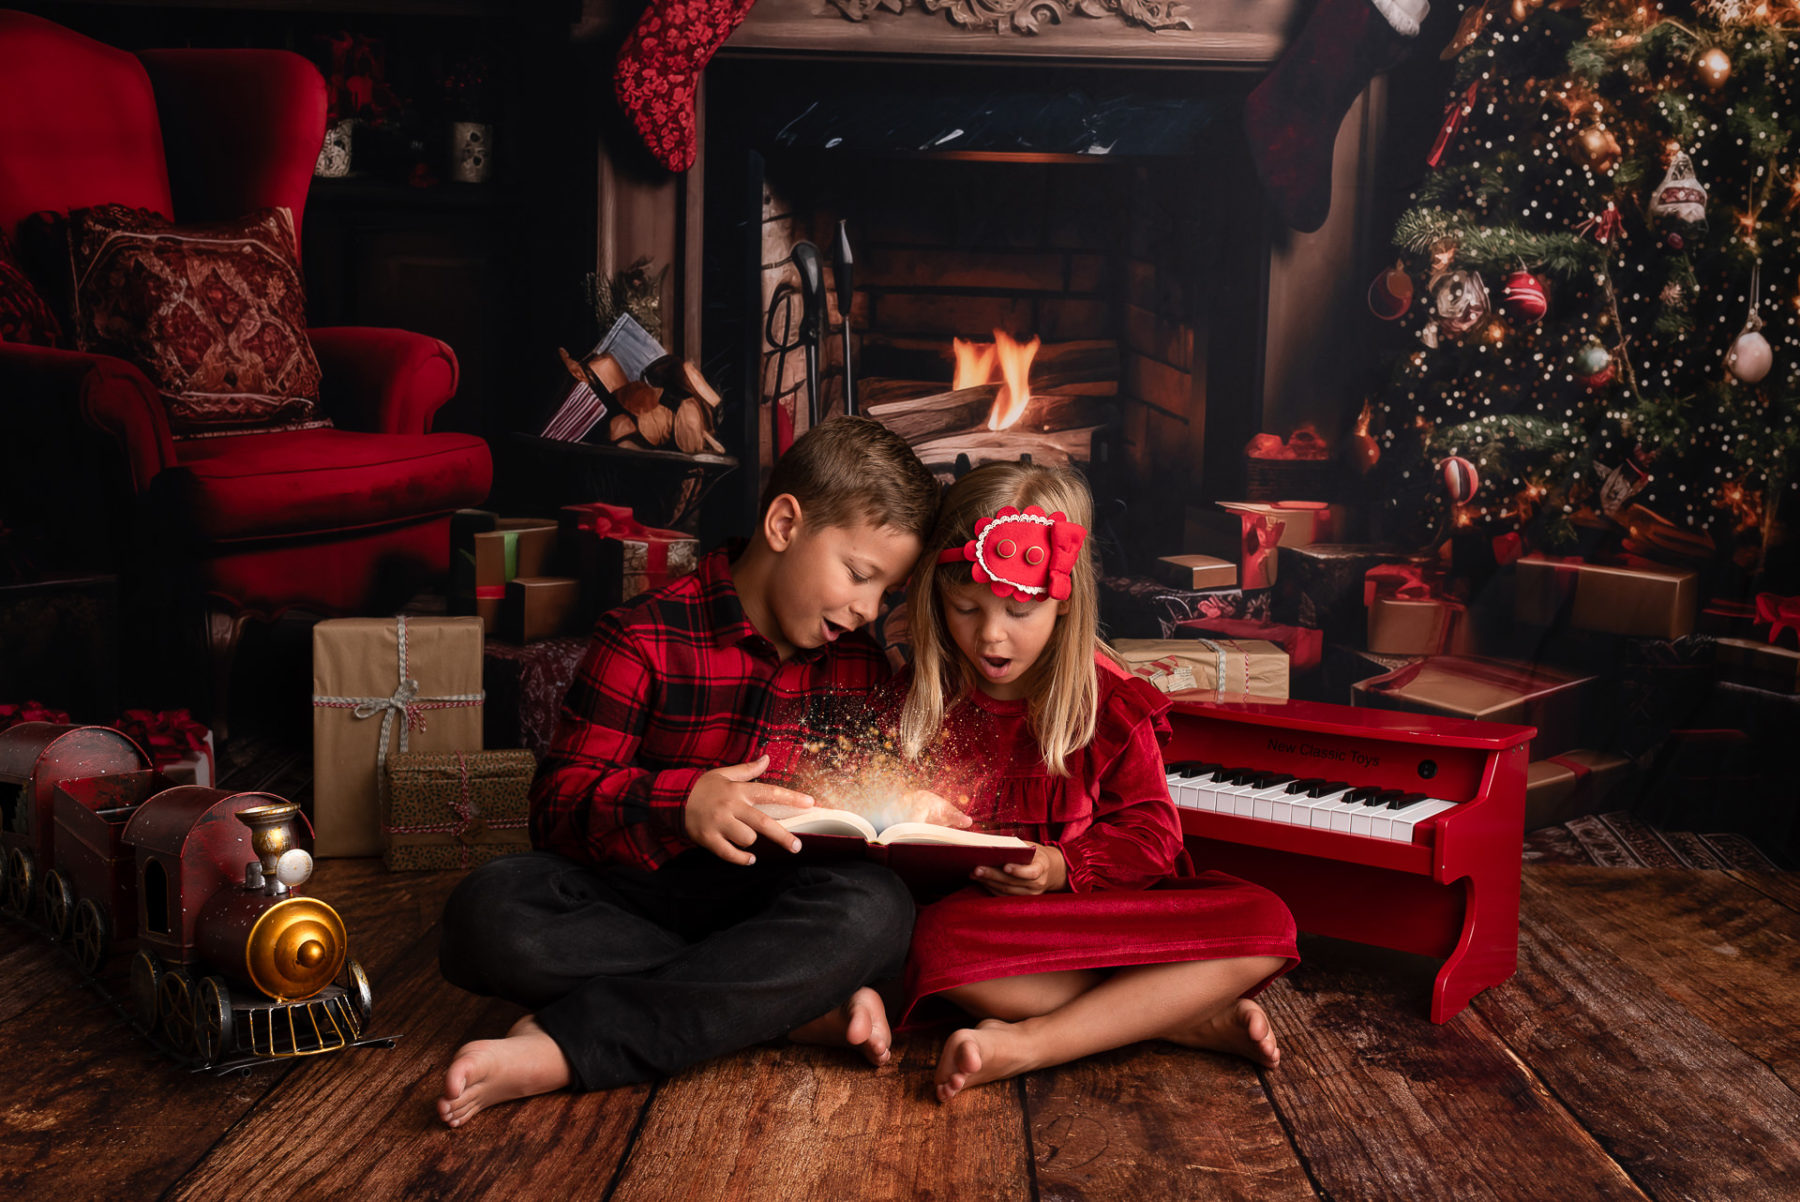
(1713, 67)
(1597, 149)
(1522, 9)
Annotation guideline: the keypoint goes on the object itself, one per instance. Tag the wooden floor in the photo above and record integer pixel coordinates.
(1648, 1047)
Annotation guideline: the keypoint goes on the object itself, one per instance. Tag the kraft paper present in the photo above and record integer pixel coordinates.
(1570, 785)
(1759, 665)
(1196, 571)
(456, 809)
(381, 687)
(1641, 601)
(482, 561)
(1488, 690)
(1247, 667)
(540, 607)
(1303, 522)
(1419, 626)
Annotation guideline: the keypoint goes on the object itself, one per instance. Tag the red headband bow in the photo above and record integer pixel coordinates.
(1027, 556)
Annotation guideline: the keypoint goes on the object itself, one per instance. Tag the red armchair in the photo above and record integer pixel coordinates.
(348, 520)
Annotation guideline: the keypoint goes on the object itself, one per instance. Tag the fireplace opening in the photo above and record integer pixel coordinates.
(1070, 230)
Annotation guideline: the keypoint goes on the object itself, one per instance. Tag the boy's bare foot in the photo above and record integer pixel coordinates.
(860, 1023)
(991, 1050)
(1241, 1029)
(487, 1072)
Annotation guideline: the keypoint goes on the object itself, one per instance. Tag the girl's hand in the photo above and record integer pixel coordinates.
(1045, 872)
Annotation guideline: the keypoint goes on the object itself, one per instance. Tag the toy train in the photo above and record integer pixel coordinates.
(231, 964)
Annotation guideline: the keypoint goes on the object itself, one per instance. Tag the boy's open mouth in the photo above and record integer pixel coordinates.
(833, 630)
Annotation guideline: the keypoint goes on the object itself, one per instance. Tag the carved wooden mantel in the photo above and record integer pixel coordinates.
(1227, 34)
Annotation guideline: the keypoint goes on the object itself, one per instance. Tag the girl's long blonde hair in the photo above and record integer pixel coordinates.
(1064, 687)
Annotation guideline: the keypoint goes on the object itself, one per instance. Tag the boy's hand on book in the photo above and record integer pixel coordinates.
(926, 806)
(722, 817)
(1045, 872)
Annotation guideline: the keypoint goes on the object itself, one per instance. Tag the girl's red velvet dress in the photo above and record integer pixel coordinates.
(1134, 895)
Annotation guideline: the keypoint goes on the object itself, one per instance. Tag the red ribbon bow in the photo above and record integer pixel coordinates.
(1260, 538)
(1404, 580)
(1782, 613)
(618, 521)
(30, 711)
(168, 736)
(1026, 556)
(1604, 226)
(1453, 119)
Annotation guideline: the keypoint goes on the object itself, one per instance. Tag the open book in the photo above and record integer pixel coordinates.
(921, 853)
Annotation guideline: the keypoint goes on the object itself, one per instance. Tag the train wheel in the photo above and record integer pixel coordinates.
(213, 1027)
(21, 874)
(93, 936)
(59, 904)
(356, 984)
(176, 1006)
(146, 988)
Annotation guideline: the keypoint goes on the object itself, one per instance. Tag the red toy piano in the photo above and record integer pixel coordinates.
(1398, 830)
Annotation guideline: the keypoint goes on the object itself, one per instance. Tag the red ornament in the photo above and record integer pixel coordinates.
(1365, 453)
(1460, 480)
(1391, 293)
(1523, 298)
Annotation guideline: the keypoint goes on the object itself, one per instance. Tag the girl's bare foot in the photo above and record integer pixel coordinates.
(487, 1072)
(1241, 1029)
(860, 1023)
(990, 1051)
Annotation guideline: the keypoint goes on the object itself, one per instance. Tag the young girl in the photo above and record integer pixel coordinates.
(1107, 936)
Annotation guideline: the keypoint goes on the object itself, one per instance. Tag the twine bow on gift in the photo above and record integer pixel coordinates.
(1782, 614)
(405, 701)
(470, 823)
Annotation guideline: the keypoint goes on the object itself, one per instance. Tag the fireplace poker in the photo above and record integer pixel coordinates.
(812, 297)
(842, 263)
(782, 343)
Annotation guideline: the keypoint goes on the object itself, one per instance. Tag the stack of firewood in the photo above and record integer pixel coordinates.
(671, 403)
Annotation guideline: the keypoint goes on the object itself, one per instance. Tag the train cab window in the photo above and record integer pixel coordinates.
(12, 807)
(156, 897)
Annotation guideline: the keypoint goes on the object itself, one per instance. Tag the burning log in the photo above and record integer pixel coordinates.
(1056, 367)
(966, 410)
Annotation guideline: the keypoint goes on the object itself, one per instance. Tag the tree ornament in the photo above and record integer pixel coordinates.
(1459, 303)
(1364, 452)
(1453, 119)
(1713, 67)
(1594, 365)
(1523, 298)
(1596, 149)
(1391, 293)
(1522, 9)
(1751, 357)
(1678, 206)
(1618, 485)
(1460, 480)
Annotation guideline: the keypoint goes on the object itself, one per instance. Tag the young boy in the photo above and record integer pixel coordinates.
(641, 933)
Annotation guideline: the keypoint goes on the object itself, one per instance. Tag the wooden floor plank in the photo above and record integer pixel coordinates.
(375, 1112)
(31, 969)
(1158, 1121)
(1382, 1103)
(807, 1124)
(1784, 887)
(1726, 952)
(1680, 1107)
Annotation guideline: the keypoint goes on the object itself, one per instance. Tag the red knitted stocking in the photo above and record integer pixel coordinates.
(660, 66)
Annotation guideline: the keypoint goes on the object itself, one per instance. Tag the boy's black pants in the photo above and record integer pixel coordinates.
(639, 974)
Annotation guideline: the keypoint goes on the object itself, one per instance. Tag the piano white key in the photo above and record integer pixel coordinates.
(1336, 812)
(1256, 802)
(1209, 789)
(1298, 809)
(1399, 824)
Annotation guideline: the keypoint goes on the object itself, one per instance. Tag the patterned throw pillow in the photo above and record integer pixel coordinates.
(214, 314)
(24, 317)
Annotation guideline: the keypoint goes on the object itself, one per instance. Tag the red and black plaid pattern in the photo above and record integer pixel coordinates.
(673, 686)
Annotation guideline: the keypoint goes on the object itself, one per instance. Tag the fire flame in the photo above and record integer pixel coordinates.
(1005, 359)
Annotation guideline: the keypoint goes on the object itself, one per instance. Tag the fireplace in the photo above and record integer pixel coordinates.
(1102, 206)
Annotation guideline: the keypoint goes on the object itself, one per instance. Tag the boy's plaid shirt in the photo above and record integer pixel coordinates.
(674, 685)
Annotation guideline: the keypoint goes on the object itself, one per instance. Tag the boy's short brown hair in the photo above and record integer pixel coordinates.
(854, 469)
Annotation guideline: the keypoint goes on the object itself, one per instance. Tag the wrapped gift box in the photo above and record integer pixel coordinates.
(1248, 667)
(1648, 601)
(1572, 784)
(1340, 667)
(540, 607)
(1131, 607)
(525, 687)
(179, 746)
(616, 557)
(1418, 626)
(1304, 647)
(1322, 586)
(1196, 571)
(1759, 665)
(456, 809)
(1303, 522)
(1490, 690)
(383, 686)
(485, 560)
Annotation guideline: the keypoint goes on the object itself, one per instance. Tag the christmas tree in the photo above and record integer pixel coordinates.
(1606, 244)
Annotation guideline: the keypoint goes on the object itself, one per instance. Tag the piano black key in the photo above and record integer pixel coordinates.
(1301, 786)
(1402, 800)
